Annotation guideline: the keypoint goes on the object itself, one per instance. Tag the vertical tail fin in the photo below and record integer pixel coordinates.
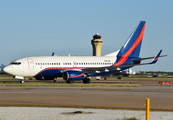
(131, 48)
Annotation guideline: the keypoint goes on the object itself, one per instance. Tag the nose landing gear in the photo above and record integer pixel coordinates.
(22, 81)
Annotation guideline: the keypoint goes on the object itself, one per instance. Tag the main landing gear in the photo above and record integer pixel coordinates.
(86, 80)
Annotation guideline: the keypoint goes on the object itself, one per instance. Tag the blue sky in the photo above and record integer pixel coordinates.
(40, 27)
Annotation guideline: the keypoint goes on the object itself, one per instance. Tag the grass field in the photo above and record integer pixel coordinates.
(112, 78)
(139, 78)
(132, 78)
(12, 84)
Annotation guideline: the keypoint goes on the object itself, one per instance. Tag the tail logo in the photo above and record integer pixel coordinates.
(131, 49)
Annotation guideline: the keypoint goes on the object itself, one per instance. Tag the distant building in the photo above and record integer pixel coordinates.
(130, 72)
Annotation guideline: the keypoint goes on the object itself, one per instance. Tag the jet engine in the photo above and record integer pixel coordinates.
(73, 75)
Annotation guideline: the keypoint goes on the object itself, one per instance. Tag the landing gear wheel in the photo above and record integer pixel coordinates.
(86, 81)
(69, 81)
(22, 81)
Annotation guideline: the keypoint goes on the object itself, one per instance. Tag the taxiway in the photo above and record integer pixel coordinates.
(89, 97)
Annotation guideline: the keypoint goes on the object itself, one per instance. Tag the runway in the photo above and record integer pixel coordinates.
(89, 97)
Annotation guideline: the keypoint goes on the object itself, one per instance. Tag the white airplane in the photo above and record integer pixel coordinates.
(72, 68)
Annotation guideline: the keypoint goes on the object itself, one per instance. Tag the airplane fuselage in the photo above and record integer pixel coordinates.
(53, 65)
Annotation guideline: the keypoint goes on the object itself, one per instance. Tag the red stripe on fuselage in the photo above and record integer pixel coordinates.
(125, 56)
(77, 76)
(60, 69)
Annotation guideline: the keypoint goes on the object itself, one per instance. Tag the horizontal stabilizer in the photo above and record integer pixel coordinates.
(138, 60)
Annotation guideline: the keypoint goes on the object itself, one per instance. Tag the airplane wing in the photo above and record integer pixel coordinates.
(136, 63)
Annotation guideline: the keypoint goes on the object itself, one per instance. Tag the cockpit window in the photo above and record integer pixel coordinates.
(15, 63)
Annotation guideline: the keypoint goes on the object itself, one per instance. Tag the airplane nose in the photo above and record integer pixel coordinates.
(7, 69)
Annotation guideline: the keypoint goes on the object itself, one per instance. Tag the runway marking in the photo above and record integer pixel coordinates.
(72, 106)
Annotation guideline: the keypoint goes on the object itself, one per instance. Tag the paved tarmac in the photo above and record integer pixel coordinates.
(100, 97)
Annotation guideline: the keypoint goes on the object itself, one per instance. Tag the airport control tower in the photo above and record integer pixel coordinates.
(97, 44)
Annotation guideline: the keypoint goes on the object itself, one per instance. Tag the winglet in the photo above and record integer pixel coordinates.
(2, 67)
(52, 53)
(156, 58)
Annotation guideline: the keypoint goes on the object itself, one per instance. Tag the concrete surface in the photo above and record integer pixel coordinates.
(44, 113)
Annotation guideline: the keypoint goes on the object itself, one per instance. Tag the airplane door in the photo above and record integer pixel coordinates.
(30, 63)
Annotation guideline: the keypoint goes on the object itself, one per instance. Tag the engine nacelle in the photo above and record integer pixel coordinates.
(73, 75)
